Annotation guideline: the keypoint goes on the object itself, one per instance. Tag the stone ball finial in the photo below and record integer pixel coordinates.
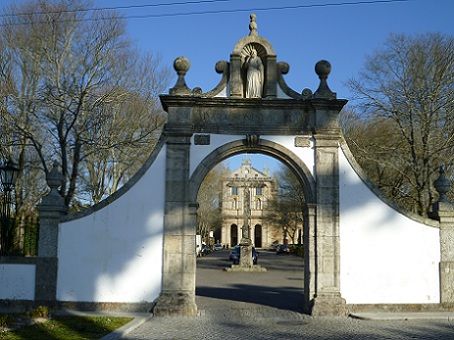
(323, 69)
(54, 178)
(181, 65)
(253, 24)
(442, 184)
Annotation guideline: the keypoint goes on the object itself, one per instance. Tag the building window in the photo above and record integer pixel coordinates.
(234, 190)
(235, 204)
(259, 191)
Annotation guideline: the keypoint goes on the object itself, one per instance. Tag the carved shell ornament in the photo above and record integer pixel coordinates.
(246, 52)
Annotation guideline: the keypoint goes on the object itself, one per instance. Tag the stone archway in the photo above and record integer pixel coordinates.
(311, 119)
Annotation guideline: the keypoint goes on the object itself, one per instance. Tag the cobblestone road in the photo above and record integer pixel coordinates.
(266, 306)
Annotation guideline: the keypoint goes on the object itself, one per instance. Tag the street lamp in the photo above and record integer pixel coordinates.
(8, 176)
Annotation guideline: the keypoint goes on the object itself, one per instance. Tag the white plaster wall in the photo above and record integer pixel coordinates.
(17, 281)
(385, 256)
(306, 154)
(115, 254)
(199, 152)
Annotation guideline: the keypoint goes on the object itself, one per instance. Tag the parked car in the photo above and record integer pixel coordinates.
(236, 252)
(282, 249)
(218, 246)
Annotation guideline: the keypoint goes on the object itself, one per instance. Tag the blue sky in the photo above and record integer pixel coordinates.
(343, 35)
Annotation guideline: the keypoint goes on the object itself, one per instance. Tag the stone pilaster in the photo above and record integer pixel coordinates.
(270, 89)
(444, 211)
(178, 274)
(236, 84)
(51, 209)
(328, 300)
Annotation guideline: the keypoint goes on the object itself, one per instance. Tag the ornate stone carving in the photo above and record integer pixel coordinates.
(253, 24)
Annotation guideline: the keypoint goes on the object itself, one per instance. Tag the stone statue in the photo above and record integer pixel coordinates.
(254, 76)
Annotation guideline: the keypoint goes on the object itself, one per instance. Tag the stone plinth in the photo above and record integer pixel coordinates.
(246, 261)
(329, 304)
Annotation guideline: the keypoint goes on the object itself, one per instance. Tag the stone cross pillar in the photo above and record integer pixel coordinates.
(178, 273)
(51, 209)
(444, 210)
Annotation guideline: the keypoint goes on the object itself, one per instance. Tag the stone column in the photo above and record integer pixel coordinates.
(328, 300)
(178, 273)
(51, 209)
(444, 210)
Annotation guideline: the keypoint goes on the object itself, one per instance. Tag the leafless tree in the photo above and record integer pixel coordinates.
(407, 90)
(76, 91)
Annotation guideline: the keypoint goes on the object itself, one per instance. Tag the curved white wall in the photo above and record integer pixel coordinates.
(115, 254)
(385, 256)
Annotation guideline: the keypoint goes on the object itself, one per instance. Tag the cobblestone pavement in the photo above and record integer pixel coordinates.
(266, 306)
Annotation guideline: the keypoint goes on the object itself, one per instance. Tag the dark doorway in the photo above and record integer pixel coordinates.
(233, 235)
(258, 236)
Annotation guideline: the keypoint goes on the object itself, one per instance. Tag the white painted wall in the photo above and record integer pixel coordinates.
(17, 281)
(385, 256)
(306, 154)
(115, 254)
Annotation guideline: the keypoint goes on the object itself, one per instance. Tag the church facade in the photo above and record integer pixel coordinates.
(236, 211)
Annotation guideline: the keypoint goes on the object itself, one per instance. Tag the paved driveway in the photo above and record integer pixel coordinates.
(267, 306)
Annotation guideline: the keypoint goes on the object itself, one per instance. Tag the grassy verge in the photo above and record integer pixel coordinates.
(67, 327)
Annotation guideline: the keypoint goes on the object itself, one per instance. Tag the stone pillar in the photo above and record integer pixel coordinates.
(178, 274)
(51, 209)
(270, 90)
(236, 83)
(328, 300)
(444, 211)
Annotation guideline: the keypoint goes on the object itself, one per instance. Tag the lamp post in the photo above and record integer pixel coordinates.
(8, 176)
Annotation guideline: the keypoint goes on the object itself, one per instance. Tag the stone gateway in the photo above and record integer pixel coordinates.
(136, 249)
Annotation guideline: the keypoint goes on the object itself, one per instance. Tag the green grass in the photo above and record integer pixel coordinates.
(68, 327)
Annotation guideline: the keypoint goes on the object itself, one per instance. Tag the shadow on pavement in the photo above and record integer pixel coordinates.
(287, 298)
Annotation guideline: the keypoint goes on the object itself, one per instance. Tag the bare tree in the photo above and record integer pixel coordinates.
(286, 208)
(208, 199)
(407, 89)
(79, 93)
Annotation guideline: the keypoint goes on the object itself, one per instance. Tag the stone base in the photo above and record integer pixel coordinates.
(240, 268)
(331, 304)
(175, 303)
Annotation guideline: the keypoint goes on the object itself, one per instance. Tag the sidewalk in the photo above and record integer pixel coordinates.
(384, 316)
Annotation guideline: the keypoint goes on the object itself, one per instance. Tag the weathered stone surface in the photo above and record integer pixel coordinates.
(175, 302)
(329, 304)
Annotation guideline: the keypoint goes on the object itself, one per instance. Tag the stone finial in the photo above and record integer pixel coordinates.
(53, 201)
(323, 69)
(54, 178)
(442, 184)
(253, 24)
(181, 66)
